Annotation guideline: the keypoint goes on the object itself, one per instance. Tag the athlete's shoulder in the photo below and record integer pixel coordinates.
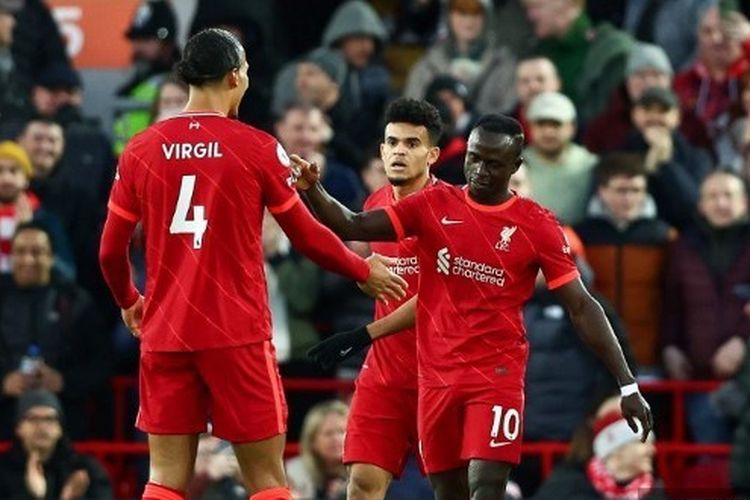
(379, 198)
(533, 211)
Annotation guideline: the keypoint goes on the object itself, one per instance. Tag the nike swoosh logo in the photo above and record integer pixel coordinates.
(494, 444)
(446, 221)
(344, 352)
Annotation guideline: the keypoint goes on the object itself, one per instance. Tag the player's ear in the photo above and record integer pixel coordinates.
(432, 155)
(382, 148)
(233, 78)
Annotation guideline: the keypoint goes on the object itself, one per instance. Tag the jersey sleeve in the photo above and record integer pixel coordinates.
(405, 215)
(277, 179)
(554, 253)
(123, 200)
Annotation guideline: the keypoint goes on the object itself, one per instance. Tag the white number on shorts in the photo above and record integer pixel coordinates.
(510, 420)
(180, 223)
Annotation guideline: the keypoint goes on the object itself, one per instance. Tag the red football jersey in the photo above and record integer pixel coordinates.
(393, 360)
(199, 182)
(479, 264)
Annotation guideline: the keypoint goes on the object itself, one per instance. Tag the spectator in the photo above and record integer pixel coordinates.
(705, 329)
(14, 86)
(710, 84)
(217, 473)
(302, 129)
(733, 145)
(41, 463)
(453, 94)
(152, 35)
(293, 283)
(245, 20)
(469, 54)
(560, 171)
(316, 79)
(449, 166)
(533, 76)
(57, 93)
(318, 472)
(416, 22)
(626, 246)
(590, 59)
(37, 41)
(675, 169)
(72, 190)
(373, 174)
(171, 98)
(18, 206)
(648, 66)
(607, 460)
(669, 24)
(358, 33)
(45, 316)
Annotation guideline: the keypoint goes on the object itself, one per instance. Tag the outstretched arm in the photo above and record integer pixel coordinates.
(340, 346)
(594, 329)
(323, 247)
(350, 226)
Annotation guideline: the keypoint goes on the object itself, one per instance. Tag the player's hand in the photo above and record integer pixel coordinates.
(132, 317)
(339, 346)
(76, 485)
(308, 173)
(634, 407)
(382, 283)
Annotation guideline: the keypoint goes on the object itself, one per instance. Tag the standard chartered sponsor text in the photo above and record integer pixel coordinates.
(478, 271)
(405, 265)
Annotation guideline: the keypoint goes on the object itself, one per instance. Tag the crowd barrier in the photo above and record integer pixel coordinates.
(674, 450)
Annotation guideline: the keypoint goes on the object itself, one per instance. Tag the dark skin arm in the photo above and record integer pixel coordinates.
(373, 225)
(595, 331)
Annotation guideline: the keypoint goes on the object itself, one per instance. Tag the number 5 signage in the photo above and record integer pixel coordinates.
(94, 30)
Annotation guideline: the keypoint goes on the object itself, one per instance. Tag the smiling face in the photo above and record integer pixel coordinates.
(491, 159)
(407, 153)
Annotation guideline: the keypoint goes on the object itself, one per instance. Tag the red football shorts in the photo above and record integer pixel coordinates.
(457, 424)
(382, 427)
(237, 389)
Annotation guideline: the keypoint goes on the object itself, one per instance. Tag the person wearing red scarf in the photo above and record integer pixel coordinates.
(621, 467)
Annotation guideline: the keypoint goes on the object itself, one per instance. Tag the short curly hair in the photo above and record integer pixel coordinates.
(416, 112)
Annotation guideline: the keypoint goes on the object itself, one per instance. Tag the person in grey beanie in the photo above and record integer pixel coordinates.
(41, 462)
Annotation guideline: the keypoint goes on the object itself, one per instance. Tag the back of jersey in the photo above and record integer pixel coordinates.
(199, 183)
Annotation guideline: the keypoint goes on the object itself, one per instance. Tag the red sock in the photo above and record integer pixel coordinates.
(278, 493)
(155, 491)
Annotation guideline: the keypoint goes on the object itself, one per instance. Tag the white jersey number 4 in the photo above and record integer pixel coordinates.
(180, 222)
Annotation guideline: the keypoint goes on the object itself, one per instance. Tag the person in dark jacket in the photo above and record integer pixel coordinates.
(41, 463)
(675, 168)
(705, 330)
(358, 33)
(606, 461)
(627, 246)
(37, 41)
(50, 335)
(15, 86)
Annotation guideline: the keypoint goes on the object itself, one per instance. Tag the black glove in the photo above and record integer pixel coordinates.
(339, 346)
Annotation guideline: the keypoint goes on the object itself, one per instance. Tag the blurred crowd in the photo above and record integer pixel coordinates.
(636, 116)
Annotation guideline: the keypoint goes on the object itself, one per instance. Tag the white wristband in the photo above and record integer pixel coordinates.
(629, 390)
